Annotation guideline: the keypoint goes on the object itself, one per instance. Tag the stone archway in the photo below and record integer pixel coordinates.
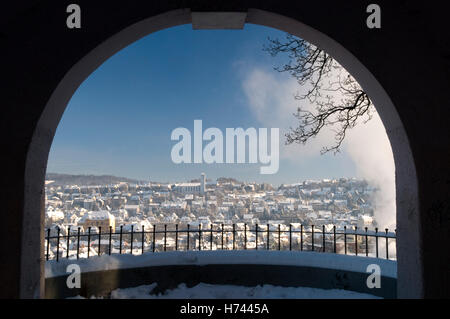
(410, 263)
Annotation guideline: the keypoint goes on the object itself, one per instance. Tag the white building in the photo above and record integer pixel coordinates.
(188, 188)
(192, 188)
(203, 184)
(103, 219)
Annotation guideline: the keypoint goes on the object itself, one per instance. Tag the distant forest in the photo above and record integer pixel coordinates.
(67, 179)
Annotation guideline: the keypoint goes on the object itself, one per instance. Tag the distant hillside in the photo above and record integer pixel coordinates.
(67, 179)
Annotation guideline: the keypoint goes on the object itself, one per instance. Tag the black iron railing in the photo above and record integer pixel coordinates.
(348, 240)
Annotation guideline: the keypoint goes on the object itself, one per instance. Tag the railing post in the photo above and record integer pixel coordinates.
(142, 240)
(211, 239)
(176, 237)
(356, 241)
(131, 239)
(222, 235)
(323, 238)
(78, 243)
(187, 231)
(234, 236)
(367, 244)
(99, 239)
(154, 238)
(68, 242)
(57, 244)
(334, 238)
(279, 237)
(268, 237)
(301, 237)
(387, 244)
(395, 232)
(120, 239)
(256, 237)
(376, 241)
(89, 242)
(110, 240)
(199, 237)
(290, 236)
(165, 237)
(245, 236)
(345, 239)
(48, 243)
(312, 237)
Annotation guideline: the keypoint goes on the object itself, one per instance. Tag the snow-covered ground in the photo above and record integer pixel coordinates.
(203, 290)
(208, 291)
(294, 258)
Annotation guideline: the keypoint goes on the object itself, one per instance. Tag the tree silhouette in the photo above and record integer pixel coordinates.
(334, 98)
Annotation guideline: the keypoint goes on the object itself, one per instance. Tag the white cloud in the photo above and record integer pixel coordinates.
(370, 149)
(270, 97)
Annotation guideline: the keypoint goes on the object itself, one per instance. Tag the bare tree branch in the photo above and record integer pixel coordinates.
(336, 99)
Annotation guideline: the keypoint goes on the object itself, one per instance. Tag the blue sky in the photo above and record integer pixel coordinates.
(120, 120)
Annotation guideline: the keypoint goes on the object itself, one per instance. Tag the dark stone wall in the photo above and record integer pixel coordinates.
(410, 57)
(101, 283)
